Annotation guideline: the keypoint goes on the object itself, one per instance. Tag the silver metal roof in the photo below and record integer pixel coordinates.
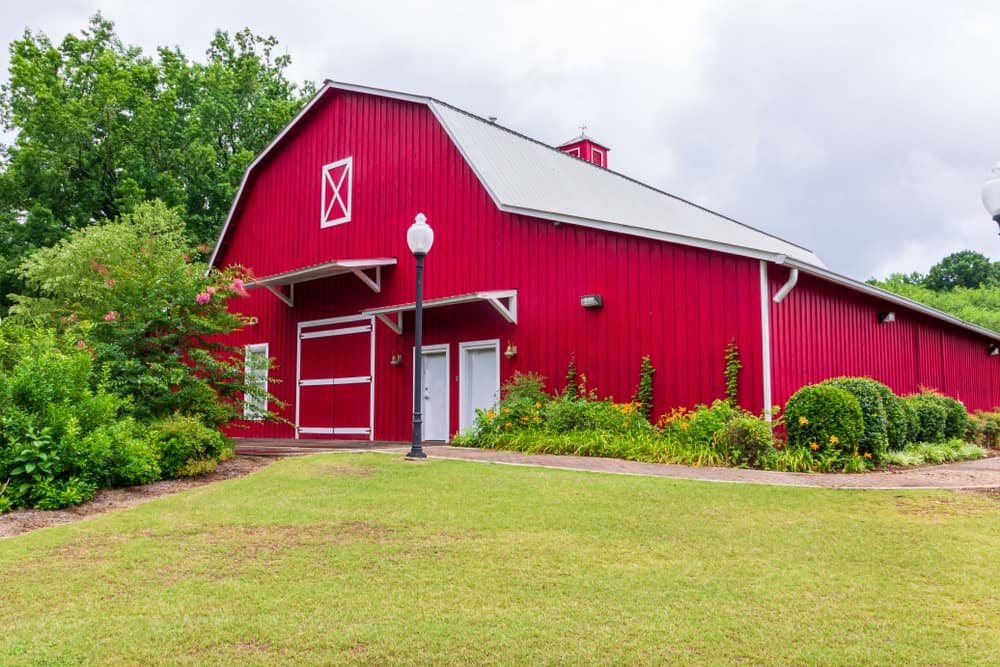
(529, 177)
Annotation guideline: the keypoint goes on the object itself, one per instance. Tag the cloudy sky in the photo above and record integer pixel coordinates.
(861, 130)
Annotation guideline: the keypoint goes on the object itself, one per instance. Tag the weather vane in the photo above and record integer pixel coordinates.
(583, 130)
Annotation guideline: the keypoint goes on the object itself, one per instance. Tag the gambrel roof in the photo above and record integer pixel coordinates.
(531, 178)
(526, 176)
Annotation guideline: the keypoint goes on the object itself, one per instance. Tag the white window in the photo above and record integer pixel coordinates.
(337, 179)
(255, 375)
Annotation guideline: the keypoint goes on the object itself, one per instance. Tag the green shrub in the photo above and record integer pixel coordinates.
(897, 418)
(61, 493)
(957, 420)
(181, 441)
(824, 418)
(932, 417)
(118, 454)
(745, 440)
(984, 429)
(875, 438)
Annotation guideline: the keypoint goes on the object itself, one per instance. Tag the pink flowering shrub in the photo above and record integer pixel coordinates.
(150, 314)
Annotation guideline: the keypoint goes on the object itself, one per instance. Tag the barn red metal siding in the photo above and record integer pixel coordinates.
(678, 304)
(823, 330)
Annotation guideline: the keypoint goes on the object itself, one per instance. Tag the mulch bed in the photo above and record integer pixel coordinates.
(109, 500)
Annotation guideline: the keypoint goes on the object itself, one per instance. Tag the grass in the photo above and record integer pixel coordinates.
(364, 558)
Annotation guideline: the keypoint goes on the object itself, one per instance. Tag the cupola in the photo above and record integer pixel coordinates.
(586, 148)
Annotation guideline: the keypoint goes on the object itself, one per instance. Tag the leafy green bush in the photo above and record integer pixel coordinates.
(824, 418)
(875, 438)
(897, 418)
(745, 440)
(118, 454)
(181, 442)
(61, 493)
(932, 417)
(984, 429)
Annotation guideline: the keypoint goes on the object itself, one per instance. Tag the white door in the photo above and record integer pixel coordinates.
(435, 392)
(479, 378)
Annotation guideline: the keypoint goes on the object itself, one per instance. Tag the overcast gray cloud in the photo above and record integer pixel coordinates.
(861, 130)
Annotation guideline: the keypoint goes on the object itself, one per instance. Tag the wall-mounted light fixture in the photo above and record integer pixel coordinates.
(591, 301)
(993, 350)
(885, 318)
(396, 359)
(511, 350)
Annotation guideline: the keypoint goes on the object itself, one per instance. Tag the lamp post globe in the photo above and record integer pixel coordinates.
(991, 193)
(420, 238)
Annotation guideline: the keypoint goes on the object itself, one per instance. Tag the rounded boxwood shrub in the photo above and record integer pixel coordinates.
(957, 420)
(824, 417)
(875, 438)
(931, 417)
(898, 419)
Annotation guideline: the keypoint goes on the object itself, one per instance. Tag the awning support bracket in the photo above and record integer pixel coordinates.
(287, 299)
(508, 312)
(396, 325)
(376, 284)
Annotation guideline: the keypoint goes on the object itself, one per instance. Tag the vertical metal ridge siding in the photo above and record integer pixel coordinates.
(678, 304)
(822, 330)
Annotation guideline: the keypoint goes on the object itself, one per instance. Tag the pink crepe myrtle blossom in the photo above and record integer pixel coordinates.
(238, 286)
(80, 345)
(110, 282)
(203, 298)
(111, 316)
(210, 289)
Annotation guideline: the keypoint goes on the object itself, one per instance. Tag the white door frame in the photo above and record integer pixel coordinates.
(436, 349)
(463, 348)
(332, 321)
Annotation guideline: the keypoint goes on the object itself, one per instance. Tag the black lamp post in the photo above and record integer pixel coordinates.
(420, 238)
(991, 193)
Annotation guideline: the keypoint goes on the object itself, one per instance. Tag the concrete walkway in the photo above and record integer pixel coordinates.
(981, 474)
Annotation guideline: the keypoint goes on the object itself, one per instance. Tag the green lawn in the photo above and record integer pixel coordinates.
(365, 558)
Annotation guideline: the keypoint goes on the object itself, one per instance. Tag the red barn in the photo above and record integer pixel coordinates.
(523, 233)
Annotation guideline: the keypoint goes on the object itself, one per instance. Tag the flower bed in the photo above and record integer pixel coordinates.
(823, 428)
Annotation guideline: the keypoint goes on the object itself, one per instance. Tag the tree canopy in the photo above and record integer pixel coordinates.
(965, 284)
(101, 127)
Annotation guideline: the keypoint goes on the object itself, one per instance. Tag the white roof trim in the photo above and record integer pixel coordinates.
(493, 297)
(892, 297)
(325, 270)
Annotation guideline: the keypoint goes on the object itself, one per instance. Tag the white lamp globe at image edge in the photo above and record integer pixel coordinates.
(991, 192)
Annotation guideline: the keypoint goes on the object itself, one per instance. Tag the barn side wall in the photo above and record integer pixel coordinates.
(823, 330)
(678, 304)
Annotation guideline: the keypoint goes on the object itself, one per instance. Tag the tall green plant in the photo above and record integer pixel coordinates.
(644, 394)
(732, 372)
(572, 388)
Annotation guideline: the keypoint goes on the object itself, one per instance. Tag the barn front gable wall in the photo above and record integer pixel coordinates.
(678, 304)
(821, 330)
